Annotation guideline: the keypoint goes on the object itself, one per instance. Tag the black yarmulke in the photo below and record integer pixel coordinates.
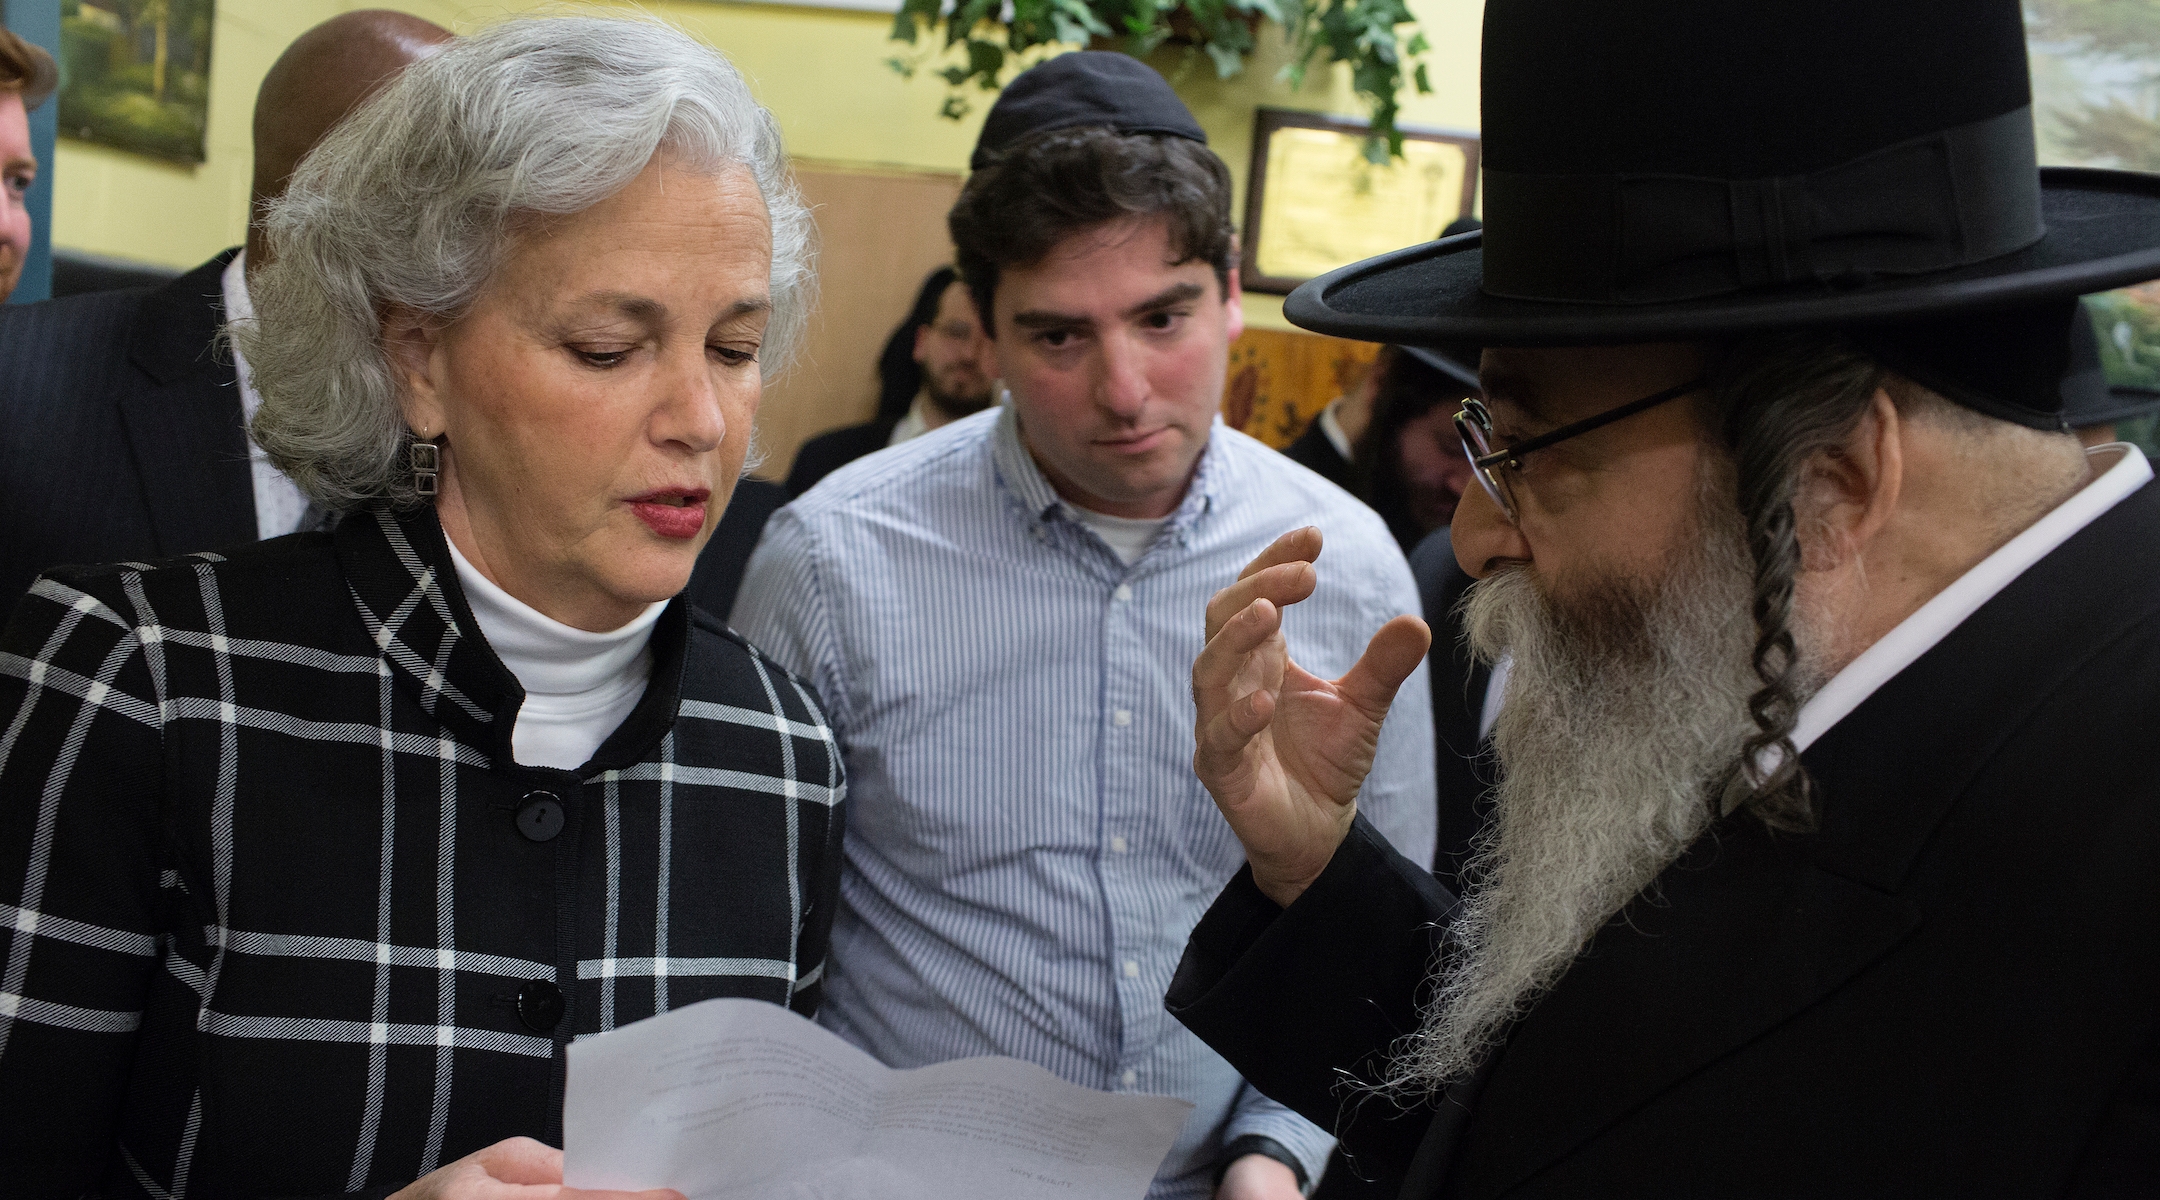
(1084, 88)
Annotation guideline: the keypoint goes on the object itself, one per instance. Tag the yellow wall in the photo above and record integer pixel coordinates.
(820, 70)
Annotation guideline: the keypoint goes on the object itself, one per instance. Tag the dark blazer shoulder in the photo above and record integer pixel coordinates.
(731, 670)
(1313, 450)
(239, 574)
(828, 452)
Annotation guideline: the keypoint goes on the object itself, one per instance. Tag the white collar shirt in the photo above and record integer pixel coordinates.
(279, 504)
(2119, 470)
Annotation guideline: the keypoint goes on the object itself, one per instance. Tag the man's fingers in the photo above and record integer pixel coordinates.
(1281, 585)
(1389, 658)
(1298, 545)
(1222, 741)
(1228, 650)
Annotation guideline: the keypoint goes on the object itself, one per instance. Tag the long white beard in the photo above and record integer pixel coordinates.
(1625, 714)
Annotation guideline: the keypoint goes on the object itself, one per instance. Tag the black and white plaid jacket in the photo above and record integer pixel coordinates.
(279, 916)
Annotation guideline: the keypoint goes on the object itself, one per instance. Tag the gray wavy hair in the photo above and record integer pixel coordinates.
(412, 201)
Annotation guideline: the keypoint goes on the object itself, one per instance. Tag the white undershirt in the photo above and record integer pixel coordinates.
(278, 504)
(1127, 537)
(579, 686)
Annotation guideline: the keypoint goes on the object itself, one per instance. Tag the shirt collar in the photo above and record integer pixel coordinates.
(1933, 621)
(1039, 500)
(911, 426)
(1331, 428)
(238, 309)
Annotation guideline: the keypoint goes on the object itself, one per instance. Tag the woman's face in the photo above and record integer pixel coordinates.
(595, 404)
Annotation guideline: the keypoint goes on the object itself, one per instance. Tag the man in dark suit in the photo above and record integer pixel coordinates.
(1826, 849)
(935, 370)
(124, 416)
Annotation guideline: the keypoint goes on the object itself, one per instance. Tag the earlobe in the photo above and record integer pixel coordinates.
(410, 342)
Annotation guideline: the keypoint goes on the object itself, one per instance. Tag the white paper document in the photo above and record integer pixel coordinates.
(742, 1100)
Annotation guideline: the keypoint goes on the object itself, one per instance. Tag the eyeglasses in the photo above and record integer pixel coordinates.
(1474, 425)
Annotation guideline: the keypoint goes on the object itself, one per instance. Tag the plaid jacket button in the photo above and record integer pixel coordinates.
(539, 1005)
(542, 816)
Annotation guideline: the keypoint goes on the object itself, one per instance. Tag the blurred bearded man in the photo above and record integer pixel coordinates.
(1825, 857)
(934, 371)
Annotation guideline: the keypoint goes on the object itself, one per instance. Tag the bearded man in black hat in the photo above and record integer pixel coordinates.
(1826, 855)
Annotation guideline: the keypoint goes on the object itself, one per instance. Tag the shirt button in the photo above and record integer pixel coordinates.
(1123, 593)
(1121, 718)
(1130, 1077)
(541, 818)
(1117, 845)
(1132, 969)
(539, 1005)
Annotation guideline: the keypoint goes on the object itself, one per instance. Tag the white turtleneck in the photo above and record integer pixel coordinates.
(579, 686)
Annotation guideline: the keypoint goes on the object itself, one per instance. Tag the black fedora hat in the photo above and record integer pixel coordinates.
(1456, 361)
(2088, 399)
(1700, 168)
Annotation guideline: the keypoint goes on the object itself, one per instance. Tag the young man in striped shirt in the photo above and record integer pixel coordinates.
(1001, 614)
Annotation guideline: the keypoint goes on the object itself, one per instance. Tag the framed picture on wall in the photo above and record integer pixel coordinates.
(1314, 203)
(135, 74)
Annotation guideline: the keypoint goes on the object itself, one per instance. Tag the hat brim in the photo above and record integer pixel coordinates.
(2128, 403)
(2103, 231)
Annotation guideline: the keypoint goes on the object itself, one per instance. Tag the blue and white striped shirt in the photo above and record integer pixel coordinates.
(1027, 847)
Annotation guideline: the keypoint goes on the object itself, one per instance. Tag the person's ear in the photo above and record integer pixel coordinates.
(1849, 491)
(1233, 297)
(414, 346)
(922, 339)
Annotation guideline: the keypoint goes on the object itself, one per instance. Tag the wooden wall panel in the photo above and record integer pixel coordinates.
(879, 234)
(1291, 376)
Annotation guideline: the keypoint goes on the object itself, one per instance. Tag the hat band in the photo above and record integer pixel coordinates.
(1945, 200)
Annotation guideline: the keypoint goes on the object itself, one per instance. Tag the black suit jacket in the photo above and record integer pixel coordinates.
(122, 436)
(828, 452)
(1464, 765)
(1952, 989)
(1314, 451)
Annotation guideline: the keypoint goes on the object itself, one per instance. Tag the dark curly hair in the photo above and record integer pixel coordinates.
(1047, 187)
(899, 375)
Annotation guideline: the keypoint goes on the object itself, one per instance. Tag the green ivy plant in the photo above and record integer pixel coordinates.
(991, 36)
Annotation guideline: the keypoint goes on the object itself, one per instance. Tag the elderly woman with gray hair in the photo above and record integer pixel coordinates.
(315, 854)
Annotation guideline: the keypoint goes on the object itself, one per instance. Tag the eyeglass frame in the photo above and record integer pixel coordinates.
(1473, 416)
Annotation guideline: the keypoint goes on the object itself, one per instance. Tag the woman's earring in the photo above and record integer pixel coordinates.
(426, 462)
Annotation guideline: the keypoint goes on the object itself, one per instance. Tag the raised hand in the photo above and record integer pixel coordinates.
(1284, 751)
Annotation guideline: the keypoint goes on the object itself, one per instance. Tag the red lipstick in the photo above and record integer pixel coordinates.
(677, 513)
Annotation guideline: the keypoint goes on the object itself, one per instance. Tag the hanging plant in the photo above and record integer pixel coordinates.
(993, 35)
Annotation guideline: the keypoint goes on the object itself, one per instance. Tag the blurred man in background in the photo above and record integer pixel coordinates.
(1390, 439)
(935, 370)
(27, 77)
(122, 420)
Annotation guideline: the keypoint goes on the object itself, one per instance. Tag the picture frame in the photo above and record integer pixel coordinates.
(135, 75)
(1314, 203)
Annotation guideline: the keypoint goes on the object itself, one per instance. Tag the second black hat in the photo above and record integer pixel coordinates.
(1086, 87)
